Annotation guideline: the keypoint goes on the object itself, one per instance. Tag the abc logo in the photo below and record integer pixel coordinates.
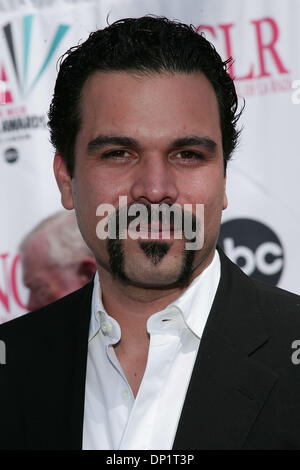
(11, 155)
(254, 247)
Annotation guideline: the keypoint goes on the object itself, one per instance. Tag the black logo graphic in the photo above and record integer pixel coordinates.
(254, 247)
(11, 155)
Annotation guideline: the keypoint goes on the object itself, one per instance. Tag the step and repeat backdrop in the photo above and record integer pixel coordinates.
(261, 227)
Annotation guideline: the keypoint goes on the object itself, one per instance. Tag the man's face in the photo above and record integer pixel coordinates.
(135, 141)
(45, 283)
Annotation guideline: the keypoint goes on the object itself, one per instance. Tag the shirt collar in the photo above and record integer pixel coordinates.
(196, 301)
(100, 319)
(194, 304)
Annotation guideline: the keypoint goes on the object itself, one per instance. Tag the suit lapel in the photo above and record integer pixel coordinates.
(228, 388)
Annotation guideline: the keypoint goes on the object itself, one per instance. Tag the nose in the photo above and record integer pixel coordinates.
(154, 182)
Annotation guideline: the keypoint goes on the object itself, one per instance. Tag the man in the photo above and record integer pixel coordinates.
(169, 348)
(55, 259)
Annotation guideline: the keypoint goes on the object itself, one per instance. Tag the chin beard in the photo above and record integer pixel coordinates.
(155, 252)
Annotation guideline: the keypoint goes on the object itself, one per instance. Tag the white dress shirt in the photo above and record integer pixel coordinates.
(113, 418)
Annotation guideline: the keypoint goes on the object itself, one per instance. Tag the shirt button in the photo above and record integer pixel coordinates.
(125, 395)
(105, 327)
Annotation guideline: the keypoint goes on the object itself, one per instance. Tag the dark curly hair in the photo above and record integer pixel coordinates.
(146, 44)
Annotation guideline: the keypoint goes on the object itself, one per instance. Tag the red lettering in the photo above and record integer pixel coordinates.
(263, 47)
(11, 289)
(5, 95)
(14, 282)
(270, 46)
(3, 295)
(228, 51)
(205, 27)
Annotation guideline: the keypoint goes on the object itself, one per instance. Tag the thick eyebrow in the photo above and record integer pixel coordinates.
(195, 141)
(103, 140)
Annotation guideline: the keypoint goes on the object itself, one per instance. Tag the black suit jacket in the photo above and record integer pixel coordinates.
(244, 392)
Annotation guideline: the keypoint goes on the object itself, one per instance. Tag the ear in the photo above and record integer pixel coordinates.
(86, 269)
(64, 181)
(225, 200)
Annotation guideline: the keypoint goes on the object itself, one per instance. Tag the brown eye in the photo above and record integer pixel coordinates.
(190, 155)
(115, 154)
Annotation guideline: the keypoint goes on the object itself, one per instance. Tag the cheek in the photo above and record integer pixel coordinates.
(214, 206)
(214, 202)
(94, 188)
(85, 197)
(210, 193)
(48, 295)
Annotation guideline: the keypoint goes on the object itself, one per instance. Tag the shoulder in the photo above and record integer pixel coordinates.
(273, 294)
(58, 315)
(280, 308)
(277, 306)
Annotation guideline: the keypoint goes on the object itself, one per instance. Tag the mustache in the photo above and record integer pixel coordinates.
(172, 215)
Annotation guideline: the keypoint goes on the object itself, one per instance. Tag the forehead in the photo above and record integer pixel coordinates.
(135, 103)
